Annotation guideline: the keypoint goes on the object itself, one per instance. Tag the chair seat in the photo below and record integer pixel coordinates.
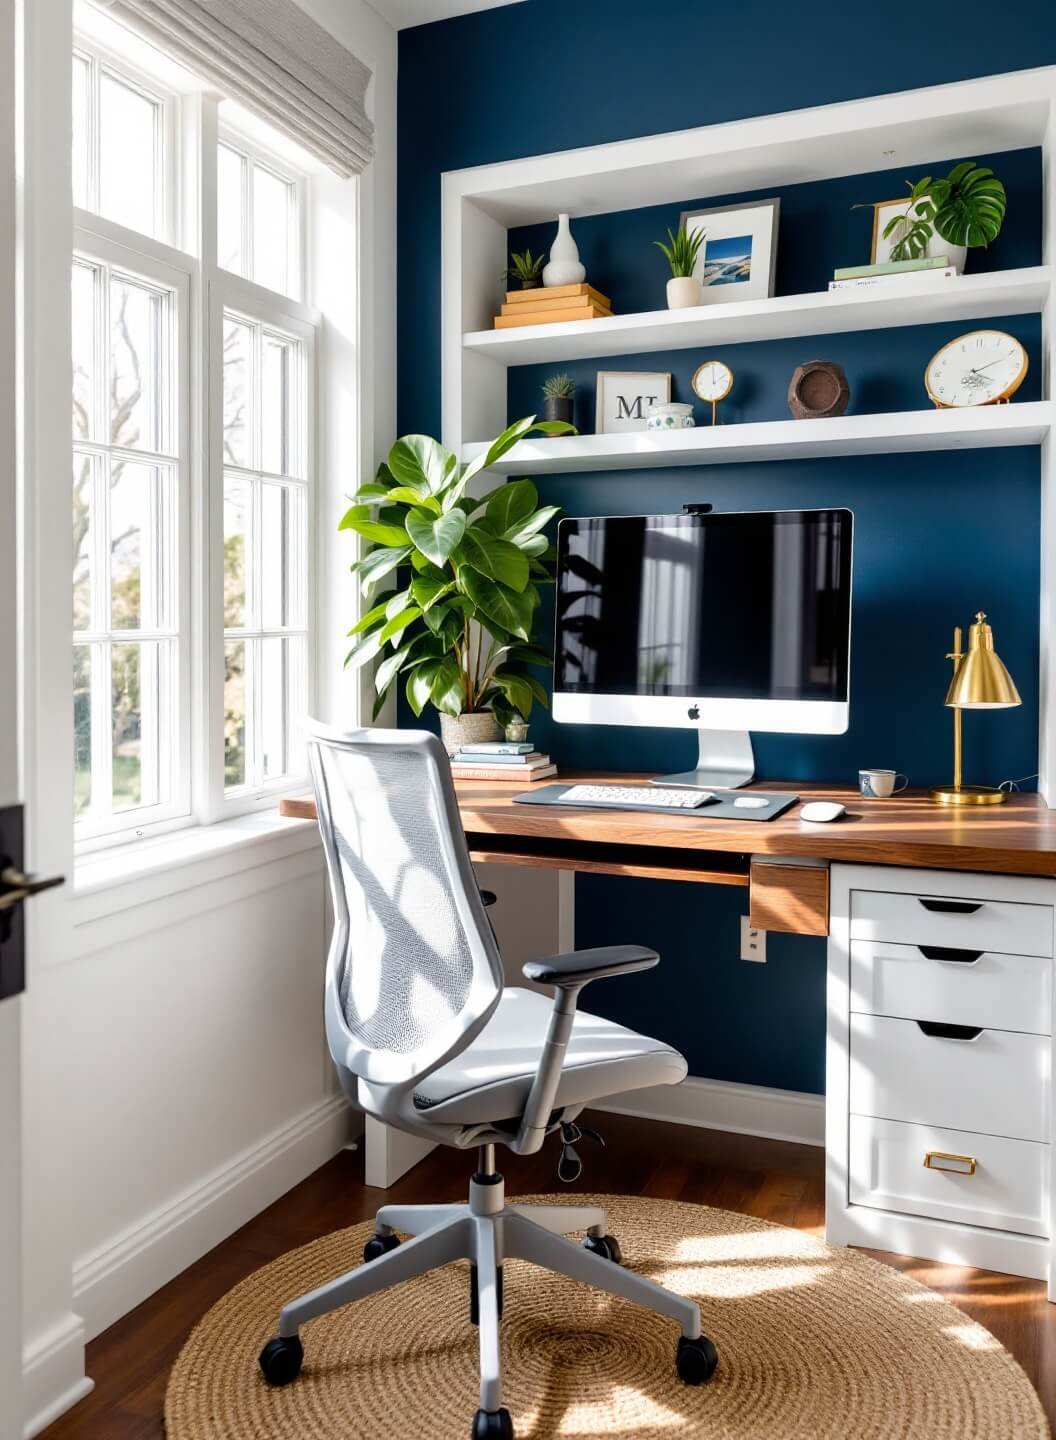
(491, 1078)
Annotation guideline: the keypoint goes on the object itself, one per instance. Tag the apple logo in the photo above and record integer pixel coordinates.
(694, 712)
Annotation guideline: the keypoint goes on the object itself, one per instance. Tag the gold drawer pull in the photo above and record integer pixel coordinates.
(958, 1164)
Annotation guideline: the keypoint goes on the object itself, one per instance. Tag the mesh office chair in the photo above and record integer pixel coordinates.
(427, 1038)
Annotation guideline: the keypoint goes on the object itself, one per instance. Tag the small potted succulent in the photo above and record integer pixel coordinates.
(558, 396)
(525, 270)
(682, 252)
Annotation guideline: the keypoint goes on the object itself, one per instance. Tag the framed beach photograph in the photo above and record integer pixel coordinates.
(624, 397)
(739, 255)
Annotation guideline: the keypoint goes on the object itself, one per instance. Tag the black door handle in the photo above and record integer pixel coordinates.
(16, 886)
(947, 953)
(940, 1031)
(951, 907)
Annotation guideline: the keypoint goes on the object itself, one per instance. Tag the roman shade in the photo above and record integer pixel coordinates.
(274, 59)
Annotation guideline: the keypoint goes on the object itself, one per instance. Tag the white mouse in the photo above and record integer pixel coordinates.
(750, 802)
(818, 811)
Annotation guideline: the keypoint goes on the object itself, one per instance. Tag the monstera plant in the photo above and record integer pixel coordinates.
(458, 625)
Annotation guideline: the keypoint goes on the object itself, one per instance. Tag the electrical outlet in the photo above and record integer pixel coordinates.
(753, 942)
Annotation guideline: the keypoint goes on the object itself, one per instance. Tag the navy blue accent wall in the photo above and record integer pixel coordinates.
(937, 535)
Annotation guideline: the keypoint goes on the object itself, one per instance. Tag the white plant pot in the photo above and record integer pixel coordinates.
(684, 291)
(564, 267)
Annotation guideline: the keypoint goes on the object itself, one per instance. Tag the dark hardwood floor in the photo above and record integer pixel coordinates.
(776, 1181)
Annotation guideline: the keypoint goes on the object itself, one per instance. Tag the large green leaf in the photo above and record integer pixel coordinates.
(365, 650)
(357, 518)
(378, 564)
(372, 617)
(404, 495)
(422, 463)
(439, 681)
(497, 559)
(419, 683)
(529, 655)
(526, 529)
(516, 689)
(389, 668)
(511, 611)
(508, 439)
(427, 590)
(397, 603)
(398, 624)
(436, 539)
(511, 504)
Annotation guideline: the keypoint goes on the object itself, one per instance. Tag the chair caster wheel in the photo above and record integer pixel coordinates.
(474, 1295)
(607, 1246)
(281, 1359)
(696, 1360)
(379, 1245)
(492, 1425)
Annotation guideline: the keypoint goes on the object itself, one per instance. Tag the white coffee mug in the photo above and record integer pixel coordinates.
(881, 784)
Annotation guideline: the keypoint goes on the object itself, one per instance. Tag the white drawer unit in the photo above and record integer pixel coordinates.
(966, 922)
(950, 1174)
(939, 1061)
(952, 984)
(958, 1076)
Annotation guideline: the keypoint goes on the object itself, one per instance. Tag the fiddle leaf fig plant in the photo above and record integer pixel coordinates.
(458, 626)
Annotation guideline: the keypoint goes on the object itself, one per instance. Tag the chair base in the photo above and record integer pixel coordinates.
(487, 1231)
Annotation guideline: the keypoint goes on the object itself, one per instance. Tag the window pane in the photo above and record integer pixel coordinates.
(234, 713)
(126, 710)
(139, 540)
(83, 296)
(282, 582)
(81, 129)
(274, 405)
(238, 501)
(129, 132)
(230, 172)
(238, 361)
(83, 540)
(273, 689)
(272, 199)
(82, 728)
(136, 315)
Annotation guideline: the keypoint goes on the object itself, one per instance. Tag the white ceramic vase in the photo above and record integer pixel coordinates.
(684, 291)
(564, 267)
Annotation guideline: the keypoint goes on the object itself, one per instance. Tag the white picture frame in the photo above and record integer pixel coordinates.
(623, 398)
(886, 210)
(742, 240)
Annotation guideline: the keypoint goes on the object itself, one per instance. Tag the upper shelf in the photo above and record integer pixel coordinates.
(823, 312)
(990, 425)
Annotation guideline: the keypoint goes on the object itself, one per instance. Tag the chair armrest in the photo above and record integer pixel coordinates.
(580, 966)
(488, 898)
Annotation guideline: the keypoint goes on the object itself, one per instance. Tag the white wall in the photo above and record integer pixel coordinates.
(174, 1068)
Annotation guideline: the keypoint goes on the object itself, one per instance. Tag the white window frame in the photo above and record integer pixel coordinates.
(256, 156)
(148, 260)
(192, 131)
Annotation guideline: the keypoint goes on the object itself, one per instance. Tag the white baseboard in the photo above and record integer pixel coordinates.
(111, 1280)
(721, 1105)
(53, 1377)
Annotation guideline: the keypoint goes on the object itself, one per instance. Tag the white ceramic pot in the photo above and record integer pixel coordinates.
(468, 729)
(684, 291)
(672, 415)
(564, 267)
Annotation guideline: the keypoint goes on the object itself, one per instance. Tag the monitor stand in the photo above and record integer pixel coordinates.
(725, 762)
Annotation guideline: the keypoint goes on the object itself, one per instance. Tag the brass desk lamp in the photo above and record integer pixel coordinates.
(980, 682)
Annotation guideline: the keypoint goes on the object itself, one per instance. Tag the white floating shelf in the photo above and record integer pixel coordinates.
(823, 312)
(991, 425)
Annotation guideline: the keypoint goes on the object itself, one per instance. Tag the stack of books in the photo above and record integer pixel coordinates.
(929, 270)
(544, 306)
(501, 760)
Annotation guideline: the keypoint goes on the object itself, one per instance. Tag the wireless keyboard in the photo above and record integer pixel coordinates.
(636, 797)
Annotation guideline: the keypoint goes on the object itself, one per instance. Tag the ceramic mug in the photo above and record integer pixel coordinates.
(881, 784)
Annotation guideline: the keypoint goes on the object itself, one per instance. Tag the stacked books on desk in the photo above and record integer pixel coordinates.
(501, 760)
(923, 274)
(546, 305)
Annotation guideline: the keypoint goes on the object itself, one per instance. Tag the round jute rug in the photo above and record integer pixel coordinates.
(815, 1343)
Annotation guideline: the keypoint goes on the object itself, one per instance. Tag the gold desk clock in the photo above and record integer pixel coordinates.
(985, 367)
(712, 382)
(980, 682)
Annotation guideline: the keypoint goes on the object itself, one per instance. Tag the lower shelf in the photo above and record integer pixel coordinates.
(900, 432)
(644, 862)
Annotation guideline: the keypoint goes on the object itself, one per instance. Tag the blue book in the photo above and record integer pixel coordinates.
(498, 747)
(465, 758)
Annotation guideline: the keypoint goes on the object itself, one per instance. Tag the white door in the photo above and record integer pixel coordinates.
(10, 1007)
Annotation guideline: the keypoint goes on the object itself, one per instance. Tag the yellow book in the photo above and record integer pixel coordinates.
(562, 292)
(547, 317)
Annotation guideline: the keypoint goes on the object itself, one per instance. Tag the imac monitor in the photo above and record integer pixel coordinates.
(723, 623)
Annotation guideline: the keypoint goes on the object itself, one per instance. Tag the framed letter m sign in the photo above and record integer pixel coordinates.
(624, 398)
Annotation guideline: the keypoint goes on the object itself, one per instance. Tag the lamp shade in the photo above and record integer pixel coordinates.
(981, 681)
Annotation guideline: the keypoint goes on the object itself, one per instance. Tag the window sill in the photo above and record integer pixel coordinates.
(122, 876)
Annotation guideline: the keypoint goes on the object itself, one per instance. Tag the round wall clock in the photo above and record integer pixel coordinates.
(818, 390)
(980, 368)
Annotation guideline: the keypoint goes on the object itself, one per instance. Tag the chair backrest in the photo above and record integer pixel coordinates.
(414, 969)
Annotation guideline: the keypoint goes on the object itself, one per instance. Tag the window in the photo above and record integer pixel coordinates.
(190, 595)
